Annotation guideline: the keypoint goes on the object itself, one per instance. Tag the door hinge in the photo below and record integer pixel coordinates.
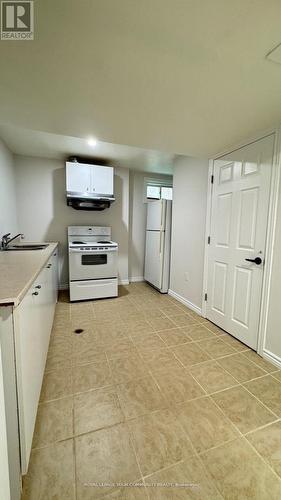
(206, 297)
(209, 240)
(212, 179)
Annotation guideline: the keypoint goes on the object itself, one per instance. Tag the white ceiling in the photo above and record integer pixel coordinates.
(44, 145)
(189, 76)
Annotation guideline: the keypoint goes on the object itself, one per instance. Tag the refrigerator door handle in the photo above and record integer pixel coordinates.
(161, 242)
(162, 235)
(163, 214)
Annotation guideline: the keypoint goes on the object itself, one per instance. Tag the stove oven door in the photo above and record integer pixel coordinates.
(92, 264)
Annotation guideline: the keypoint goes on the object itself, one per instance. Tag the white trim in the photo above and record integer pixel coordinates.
(250, 140)
(123, 282)
(269, 250)
(154, 181)
(136, 279)
(186, 302)
(207, 233)
(271, 229)
(275, 360)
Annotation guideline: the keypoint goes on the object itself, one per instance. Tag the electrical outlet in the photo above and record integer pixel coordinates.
(186, 276)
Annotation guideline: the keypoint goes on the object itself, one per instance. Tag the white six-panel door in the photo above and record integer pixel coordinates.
(240, 200)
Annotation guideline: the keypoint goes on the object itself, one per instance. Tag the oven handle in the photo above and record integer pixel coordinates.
(84, 252)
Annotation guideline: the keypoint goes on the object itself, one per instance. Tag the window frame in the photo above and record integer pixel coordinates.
(154, 182)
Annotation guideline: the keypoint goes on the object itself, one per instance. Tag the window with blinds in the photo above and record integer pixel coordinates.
(157, 189)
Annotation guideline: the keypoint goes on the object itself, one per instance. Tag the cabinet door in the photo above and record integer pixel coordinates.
(33, 322)
(47, 303)
(54, 261)
(4, 456)
(10, 469)
(30, 368)
(51, 290)
(78, 177)
(102, 180)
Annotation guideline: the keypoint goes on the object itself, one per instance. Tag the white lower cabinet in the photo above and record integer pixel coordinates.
(33, 320)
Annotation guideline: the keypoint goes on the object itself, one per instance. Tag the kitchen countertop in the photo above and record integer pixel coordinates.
(18, 270)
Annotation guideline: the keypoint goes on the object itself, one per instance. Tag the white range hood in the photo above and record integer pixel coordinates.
(88, 186)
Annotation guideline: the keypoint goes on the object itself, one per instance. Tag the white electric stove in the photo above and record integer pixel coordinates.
(93, 263)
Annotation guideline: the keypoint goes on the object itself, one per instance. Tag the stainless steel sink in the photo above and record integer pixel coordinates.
(26, 247)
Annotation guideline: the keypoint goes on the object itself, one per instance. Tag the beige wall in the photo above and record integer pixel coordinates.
(44, 215)
(137, 226)
(8, 212)
(138, 209)
(188, 229)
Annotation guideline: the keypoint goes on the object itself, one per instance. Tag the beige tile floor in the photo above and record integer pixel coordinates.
(150, 394)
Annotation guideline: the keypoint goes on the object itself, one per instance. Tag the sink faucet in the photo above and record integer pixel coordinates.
(6, 240)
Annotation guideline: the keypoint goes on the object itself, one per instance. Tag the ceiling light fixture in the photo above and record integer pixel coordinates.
(92, 142)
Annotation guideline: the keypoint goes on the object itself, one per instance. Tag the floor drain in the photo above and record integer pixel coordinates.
(78, 330)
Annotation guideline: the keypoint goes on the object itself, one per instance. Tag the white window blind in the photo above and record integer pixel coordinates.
(153, 192)
(155, 189)
(167, 193)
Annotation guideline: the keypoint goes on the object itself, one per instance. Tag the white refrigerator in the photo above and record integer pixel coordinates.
(158, 244)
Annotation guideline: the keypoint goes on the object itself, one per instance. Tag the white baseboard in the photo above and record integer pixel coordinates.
(186, 302)
(275, 360)
(123, 282)
(136, 279)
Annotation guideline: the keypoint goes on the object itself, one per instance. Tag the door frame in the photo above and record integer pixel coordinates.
(270, 232)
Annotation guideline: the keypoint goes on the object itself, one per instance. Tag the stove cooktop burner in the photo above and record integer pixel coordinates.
(79, 242)
(105, 242)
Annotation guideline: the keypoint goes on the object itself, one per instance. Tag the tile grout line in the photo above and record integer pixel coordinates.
(166, 468)
(262, 427)
(75, 465)
(267, 464)
(136, 457)
(266, 407)
(196, 453)
(193, 447)
(249, 392)
(236, 428)
(241, 436)
(261, 402)
(150, 372)
(169, 409)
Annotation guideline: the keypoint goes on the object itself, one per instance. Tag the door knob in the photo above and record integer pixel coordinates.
(257, 260)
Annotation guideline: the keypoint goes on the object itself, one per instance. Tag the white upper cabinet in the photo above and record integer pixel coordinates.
(102, 180)
(78, 177)
(91, 179)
